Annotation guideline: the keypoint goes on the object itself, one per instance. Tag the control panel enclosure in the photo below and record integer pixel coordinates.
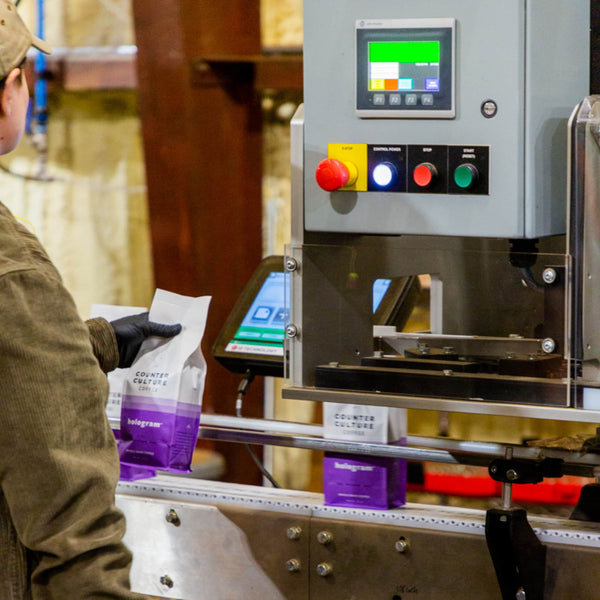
(455, 113)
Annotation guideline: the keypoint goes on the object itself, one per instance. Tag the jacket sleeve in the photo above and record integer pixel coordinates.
(58, 459)
(104, 343)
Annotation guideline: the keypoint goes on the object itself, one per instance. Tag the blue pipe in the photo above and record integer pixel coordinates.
(40, 96)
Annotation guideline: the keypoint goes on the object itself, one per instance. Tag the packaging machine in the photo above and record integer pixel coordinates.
(453, 144)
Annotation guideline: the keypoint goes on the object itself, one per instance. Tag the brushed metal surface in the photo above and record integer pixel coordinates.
(213, 554)
(232, 541)
(366, 564)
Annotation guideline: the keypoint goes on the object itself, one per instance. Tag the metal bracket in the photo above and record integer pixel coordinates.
(514, 470)
(519, 557)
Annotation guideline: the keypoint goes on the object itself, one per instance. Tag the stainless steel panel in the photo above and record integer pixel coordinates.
(228, 541)
(210, 552)
(366, 564)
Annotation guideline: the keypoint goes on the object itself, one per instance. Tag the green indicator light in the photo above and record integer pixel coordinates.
(464, 176)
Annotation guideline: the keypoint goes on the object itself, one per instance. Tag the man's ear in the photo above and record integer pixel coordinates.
(9, 91)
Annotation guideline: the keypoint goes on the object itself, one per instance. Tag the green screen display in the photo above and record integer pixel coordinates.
(404, 52)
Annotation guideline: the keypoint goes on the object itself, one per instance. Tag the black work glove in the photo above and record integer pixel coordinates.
(132, 331)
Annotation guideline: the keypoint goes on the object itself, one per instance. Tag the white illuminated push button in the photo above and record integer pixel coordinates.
(333, 174)
(425, 175)
(384, 174)
(466, 176)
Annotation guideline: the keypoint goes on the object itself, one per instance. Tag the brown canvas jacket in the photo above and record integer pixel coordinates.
(60, 532)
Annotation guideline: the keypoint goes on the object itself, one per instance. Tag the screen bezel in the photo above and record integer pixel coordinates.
(442, 30)
(240, 362)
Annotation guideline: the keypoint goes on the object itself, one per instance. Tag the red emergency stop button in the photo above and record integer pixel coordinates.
(333, 174)
(425, 174)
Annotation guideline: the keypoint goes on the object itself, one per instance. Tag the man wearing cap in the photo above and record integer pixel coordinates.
(60, 532)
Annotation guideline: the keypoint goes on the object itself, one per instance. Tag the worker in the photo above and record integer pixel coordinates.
(60, 532)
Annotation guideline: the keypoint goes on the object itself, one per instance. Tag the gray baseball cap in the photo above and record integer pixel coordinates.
(15, 39)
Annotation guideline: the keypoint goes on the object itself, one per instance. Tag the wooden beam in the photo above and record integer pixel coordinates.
(265, 71)
(204, 172)
(77, 72)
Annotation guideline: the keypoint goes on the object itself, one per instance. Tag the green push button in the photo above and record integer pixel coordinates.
(465, 176)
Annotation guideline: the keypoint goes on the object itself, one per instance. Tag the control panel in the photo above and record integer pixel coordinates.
(441, 117)
(405, 68)
(419, 169)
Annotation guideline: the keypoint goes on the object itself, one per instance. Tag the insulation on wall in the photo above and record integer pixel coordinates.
(89, 209)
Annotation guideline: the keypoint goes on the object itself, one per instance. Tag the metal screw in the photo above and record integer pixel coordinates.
(324, 537)
(494, 469)
(423, 349)
(173, 517)
(292, 565)
(324, 569)
(448, 372)
(549, 275)
(512, 475)
(548, 345)
(291, 331)
(401, 545)
(521, 595)
(489, 108)
(293, 533)
(291, 264)
(448, 349)
(166, 580)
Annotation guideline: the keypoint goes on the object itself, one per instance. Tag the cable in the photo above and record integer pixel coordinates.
(528, 279)
(44, 178)
(241, 392)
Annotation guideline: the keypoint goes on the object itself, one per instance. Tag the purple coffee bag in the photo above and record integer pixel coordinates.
(162, 397)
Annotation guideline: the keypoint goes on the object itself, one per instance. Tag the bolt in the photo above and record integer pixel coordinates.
(494, 469)
(549, 275)
(293, 533)
(292, 565)
(448, 349)
(324, 569)
(167, 581)
(423, 348)
(401, 545)
(532, 356)
(448, 372)
(509, 355)
(324, 537)
(512, 475)
(291, 331)
(548, 345)
(173, 518)
(291, 264)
